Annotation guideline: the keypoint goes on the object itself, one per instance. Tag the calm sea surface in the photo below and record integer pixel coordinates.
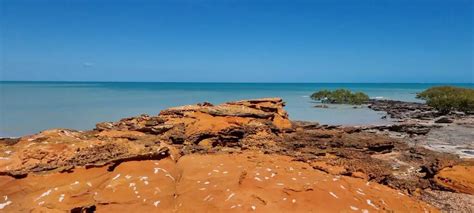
(29, 107)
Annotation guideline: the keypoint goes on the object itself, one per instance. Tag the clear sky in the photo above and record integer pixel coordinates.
(238, 40)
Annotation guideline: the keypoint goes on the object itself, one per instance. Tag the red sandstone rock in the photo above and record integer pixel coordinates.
(203, 183)
(149, 163)
(148, 137)
(459, 178)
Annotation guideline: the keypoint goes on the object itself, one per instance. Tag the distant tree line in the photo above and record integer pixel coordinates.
(443, 98)
(447, 98)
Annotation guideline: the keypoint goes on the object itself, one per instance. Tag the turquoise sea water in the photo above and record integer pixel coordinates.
(29, 107)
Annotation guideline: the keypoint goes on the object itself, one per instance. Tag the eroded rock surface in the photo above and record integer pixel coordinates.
(60, 150)
(375, 157)
(403, 110)
(251, 123)
(237, 156)
(457, 138)
(455, 178)
(250, 181)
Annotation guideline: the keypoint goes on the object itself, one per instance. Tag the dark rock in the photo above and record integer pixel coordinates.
(410, 129)
(321, 106)
(403, 110)
(306, 124)
(205, 104)
(104, 126)
(9, 141)
(443, 119)
(159, 129)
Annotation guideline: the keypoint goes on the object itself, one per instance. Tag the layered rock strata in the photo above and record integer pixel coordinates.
(237, 156)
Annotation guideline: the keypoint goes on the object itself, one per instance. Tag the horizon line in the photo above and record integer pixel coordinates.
(223, 82)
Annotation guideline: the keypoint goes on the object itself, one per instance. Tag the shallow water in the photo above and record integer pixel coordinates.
(29, 107)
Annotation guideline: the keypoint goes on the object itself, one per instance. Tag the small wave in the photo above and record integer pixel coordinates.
(305, 96)
(378, 97)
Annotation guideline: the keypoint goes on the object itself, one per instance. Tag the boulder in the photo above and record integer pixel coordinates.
(458, 178)
(324, 106)
(443, 119)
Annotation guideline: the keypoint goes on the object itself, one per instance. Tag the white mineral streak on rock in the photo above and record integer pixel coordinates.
(117, 176)
(230, 196)
(61, 198)
(206, 198)
(369, 202)
(354, 208)
(43, 195)
(171, 177)
(3, 205)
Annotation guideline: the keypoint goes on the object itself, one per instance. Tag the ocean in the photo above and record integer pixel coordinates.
(29, 107)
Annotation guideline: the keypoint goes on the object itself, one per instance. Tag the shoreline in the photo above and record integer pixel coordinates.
(81, 106)
(411, 121)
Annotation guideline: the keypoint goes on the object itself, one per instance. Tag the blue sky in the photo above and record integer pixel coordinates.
(238, 40)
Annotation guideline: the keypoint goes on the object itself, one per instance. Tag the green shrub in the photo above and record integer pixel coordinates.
(340, 96)
(448, 98)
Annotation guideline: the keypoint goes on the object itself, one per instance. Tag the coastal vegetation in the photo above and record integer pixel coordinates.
(340, 96)
(448, 98)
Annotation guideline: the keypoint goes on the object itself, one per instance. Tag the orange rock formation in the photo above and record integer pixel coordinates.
(237, 156)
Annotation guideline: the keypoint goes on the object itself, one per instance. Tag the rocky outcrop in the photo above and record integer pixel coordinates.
(443, 120)
(375, 157)
(408, 128)
(413, 111)
(403, 110)
(202, 127)
(244, 155)
(455, 178)
(421, 125)
(228, 124)
(61, 150)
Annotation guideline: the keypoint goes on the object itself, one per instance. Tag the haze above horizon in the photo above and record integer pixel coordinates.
(351, 41)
